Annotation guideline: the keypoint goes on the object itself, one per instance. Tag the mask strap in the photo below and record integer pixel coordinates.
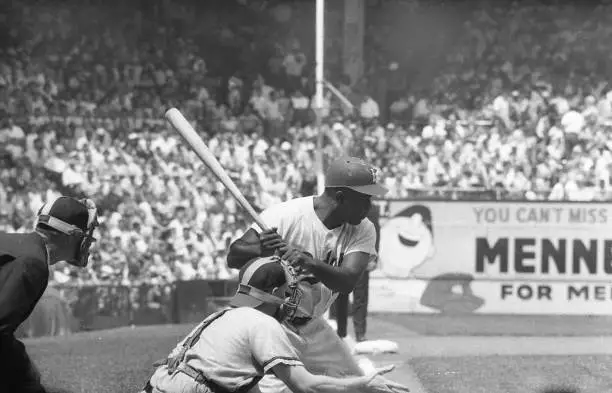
(259, 294)
(59, 225)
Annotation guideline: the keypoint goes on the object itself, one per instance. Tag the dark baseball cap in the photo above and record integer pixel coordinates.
(355, 174)
(264, 274)
(69, 210)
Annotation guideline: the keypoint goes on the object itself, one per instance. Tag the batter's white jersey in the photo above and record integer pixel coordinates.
(298, 224)
(318, 345)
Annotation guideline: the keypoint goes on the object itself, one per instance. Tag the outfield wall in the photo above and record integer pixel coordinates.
(66, 308)
(494, 258)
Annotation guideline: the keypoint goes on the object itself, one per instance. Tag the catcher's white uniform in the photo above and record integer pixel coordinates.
(318, 345)
(233, 350)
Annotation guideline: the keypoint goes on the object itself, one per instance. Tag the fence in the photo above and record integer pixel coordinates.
(97, 307)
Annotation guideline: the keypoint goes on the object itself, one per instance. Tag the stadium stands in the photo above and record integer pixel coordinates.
(511, 107)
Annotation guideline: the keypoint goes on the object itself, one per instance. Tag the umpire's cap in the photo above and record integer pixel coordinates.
(257, 279)
(67, 210)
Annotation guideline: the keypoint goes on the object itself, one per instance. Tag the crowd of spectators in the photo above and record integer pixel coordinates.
(515, 105)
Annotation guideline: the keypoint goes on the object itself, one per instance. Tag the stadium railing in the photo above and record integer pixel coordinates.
(103, 306)
(450, 193)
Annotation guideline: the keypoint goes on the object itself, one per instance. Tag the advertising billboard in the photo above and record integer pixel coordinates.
(494, 257)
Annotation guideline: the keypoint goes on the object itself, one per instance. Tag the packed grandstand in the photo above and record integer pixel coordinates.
(481, 102)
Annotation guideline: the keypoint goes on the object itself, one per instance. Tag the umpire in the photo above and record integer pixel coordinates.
(63, 231)
(360, 293)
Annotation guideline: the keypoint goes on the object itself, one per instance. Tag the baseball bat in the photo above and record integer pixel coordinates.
(189, 134)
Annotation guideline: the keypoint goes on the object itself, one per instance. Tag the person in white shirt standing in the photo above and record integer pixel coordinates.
(274, 117)
(328, 242)
(369, 109)
(573, 123)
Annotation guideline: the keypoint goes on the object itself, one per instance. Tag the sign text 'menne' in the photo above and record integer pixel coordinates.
(544, 256)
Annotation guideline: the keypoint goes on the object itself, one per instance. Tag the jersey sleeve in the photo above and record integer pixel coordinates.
(364, 239)
(271, 217)
(271, 346)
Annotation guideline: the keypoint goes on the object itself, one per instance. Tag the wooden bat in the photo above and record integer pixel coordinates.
(180, 124)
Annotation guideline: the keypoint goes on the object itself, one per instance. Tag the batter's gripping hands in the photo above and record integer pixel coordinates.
(271, 241)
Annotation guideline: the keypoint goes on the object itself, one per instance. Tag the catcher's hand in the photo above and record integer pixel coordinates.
(379, 384)
(379, 371)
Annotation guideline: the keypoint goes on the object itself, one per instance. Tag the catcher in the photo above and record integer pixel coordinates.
(231, 350)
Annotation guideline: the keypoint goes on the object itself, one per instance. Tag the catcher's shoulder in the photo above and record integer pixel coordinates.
(256, 319)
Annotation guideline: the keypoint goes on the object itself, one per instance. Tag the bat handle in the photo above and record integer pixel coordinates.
(247, 206)
(261, 224)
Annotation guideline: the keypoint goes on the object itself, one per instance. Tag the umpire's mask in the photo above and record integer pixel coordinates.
(72, 217)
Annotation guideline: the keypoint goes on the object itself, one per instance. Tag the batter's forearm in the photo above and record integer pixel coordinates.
(333, 277)
(241, 252)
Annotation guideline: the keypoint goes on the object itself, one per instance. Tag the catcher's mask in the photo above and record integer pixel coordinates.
(72, 217)
(266, 280)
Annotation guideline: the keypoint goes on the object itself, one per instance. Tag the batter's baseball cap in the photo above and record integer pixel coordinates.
(355, 174)
(67, 209)
(262, 274)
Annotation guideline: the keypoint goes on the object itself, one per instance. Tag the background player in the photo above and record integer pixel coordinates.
(328, 239)
(340, 309)
(63, 231)
(231, 350)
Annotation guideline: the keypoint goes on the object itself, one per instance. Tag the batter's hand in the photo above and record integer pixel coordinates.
(301, 260)
(271, 241)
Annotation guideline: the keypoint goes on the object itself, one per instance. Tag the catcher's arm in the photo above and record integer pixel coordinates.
(299, 380)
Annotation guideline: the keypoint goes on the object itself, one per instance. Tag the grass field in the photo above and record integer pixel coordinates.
(487, 374)
(491, 325)
(119, 360)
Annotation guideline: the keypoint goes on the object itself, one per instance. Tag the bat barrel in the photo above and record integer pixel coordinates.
(195, 141)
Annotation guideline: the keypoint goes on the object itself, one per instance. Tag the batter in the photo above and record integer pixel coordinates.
(329, 242)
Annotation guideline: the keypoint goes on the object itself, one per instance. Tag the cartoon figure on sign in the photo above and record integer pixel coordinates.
(406, 244)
